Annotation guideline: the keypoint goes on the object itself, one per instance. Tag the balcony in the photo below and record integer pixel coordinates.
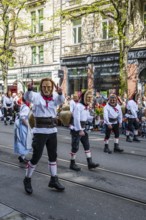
(71, 4)
(32, 3)
(74, 2)
(88, 48)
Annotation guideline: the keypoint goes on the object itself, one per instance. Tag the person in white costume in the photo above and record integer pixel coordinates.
(44, 110)
(79, 133)
(22, 133)
(8, 107)
(72, 105)
(113, 121)
(133, 121)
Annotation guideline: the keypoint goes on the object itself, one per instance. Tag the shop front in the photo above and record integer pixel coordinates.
(36, 77)
(77, 80)
(103, 75)
(105, 72)
(106, 78)
(142, 78)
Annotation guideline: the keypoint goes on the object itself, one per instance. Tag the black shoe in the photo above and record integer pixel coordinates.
(21, 160)
(74, 166)
(117, 149)
(5, 123)
(135, 138)
(91, 165)
(27, 185)
(128, 139)
(106, 149)
(54, 183)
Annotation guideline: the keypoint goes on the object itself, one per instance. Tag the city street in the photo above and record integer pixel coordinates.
(114, 191)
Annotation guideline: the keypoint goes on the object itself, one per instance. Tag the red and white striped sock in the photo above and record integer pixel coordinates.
(88, 153)
(29, 169)
(73, 155)
(53, 168)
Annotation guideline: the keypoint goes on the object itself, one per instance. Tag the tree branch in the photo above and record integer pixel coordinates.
(138, 38)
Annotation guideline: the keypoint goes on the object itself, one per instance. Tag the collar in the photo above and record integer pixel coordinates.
(47, 99)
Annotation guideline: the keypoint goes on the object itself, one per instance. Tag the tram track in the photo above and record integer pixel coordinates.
(97, 189)
(99, 168)
(84, 165)
(83, 185)
(132, 152)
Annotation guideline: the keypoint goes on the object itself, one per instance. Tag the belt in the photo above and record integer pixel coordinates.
(45, 122)
(113, 120)
(83, 124)
(8, 105)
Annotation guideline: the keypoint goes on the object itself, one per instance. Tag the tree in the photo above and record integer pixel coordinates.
(9, 22)
(126, 15)
(129, 32)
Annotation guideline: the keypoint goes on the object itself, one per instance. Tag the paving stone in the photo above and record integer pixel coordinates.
(4, 210)
(7, 213)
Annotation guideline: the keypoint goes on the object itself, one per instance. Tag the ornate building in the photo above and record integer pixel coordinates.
(79, 53)
(90, 52)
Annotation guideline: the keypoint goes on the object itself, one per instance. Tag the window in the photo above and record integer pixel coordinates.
(40, 13)
(33, 55)
(107, 29)
(37, 55)
(37, 21)
(77, 31)
(144, 15)
(33, 22)
(41, 54)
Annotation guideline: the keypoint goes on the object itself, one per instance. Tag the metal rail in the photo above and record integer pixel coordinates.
(99, 168)
(96, 189)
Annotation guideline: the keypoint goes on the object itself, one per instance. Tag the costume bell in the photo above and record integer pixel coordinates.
(81, 115)
(112, 120)
(45, 104)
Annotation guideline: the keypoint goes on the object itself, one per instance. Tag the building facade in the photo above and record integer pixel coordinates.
(78, 53)
(90, 53)
(36, 46)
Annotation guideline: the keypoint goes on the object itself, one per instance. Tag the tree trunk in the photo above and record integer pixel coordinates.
(5, 75)
(123, 61)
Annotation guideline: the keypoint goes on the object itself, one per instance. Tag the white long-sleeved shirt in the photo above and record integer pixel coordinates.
(133, 107)
(72, 105)
(24, 111)
(8, 101)
(40, 110)
(112, 112)
(80, 113)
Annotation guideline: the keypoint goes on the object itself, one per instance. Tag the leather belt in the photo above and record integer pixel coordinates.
(8, 105)
(83, 124)
(113, 119)
(45, 122)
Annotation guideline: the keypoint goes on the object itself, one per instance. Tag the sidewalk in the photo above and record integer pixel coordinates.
(7, 213)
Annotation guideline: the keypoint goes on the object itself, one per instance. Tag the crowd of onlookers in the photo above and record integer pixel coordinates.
(9, 106)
